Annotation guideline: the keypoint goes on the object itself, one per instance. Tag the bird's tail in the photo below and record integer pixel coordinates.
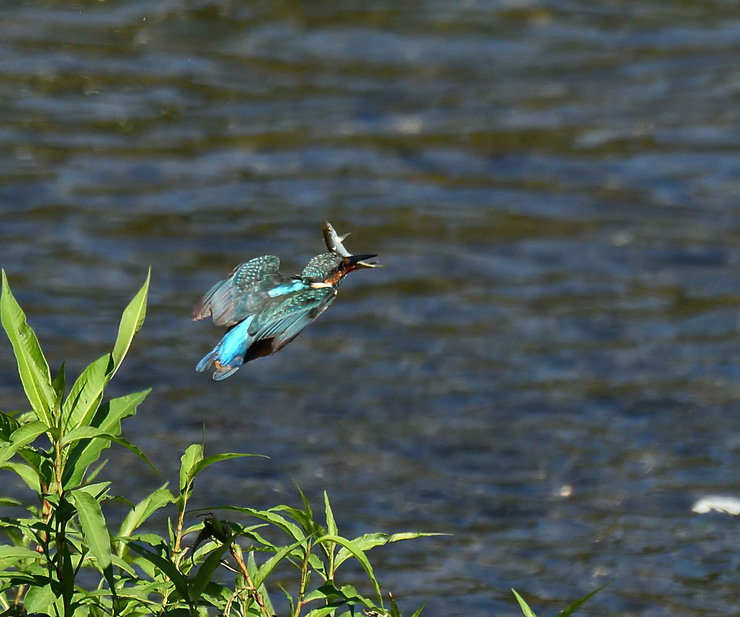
(222, 370)
(228, 355)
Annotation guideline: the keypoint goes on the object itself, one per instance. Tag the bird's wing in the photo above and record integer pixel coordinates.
(225, 300)
(292, 317)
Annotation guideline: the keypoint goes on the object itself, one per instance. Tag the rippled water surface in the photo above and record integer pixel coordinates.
(547, 368)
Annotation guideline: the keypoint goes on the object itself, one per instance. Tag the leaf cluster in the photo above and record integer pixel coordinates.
(60, 557)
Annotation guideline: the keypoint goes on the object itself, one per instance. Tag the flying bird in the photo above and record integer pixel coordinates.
(265, 310)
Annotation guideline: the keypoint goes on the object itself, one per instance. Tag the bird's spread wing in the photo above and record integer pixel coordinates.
(292, 317)
(225, 300)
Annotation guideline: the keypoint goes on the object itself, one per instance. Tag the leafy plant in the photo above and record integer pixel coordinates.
(63, 540)
(54, 448)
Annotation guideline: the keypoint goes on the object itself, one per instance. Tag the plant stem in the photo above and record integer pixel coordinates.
(304, 581)
(236, 553)
(178, 531)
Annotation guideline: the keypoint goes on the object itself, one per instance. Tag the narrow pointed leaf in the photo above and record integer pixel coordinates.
(205, 572)
(143, 510)
(270, 516)
(108, 419)
(209, 460)
(18, 552)
(131, 322)
(91, 433)
(266, 568)
(331, 525)
(571, 608)
(93, 527)
(261, 589)
(190, 458)
(359, 555)
(523, 605)
(83, 432)
(32, 366)
(86, 393)
(25, 473)
(59, 383)
(419, 610)
(164, 564)
(23, 436)
(324, 611)
(371, 540)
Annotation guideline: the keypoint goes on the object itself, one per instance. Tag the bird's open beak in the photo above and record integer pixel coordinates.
(360, 261)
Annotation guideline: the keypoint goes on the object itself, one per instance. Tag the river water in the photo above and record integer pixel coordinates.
(547, 368)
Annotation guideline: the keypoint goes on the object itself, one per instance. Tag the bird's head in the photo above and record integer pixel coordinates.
(327, 269)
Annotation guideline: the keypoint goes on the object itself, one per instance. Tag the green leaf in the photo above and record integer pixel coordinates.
(190, 458)
(261, 589)
(571, 608)
(86, 393)
(93, 527)
(18, 552)
(84, 432)
(91, 433)
(108, 419)
(324, 611)
(98, 490)
(303, 517)
(143, 510)
(205, 572)
(331, 525)
(59, 383)
(32, 366)
(331, 529)
(271, 516)
(337, 596)
(131, 322)
(523, 605)
(26, 473)
(39, 599)
(165, 565)
(359, 554)
(371, 540)
(209, 460)
(123, 565)
(23, 436)
(419, 610)
(266, 568)
(8, 425)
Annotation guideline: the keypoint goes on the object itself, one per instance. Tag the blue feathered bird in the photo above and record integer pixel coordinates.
(265, 310)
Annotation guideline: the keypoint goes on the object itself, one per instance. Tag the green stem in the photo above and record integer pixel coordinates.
(178, 531)
(304, 580)
(236, 553)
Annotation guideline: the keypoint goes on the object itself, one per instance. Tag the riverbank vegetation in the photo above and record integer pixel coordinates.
(59, 556)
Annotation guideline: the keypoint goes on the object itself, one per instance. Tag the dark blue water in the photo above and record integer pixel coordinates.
(547, 368)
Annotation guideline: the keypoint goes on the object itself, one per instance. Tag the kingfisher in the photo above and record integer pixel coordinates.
(265, 310)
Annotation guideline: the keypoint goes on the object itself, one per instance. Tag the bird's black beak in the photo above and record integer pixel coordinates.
(359, 261)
